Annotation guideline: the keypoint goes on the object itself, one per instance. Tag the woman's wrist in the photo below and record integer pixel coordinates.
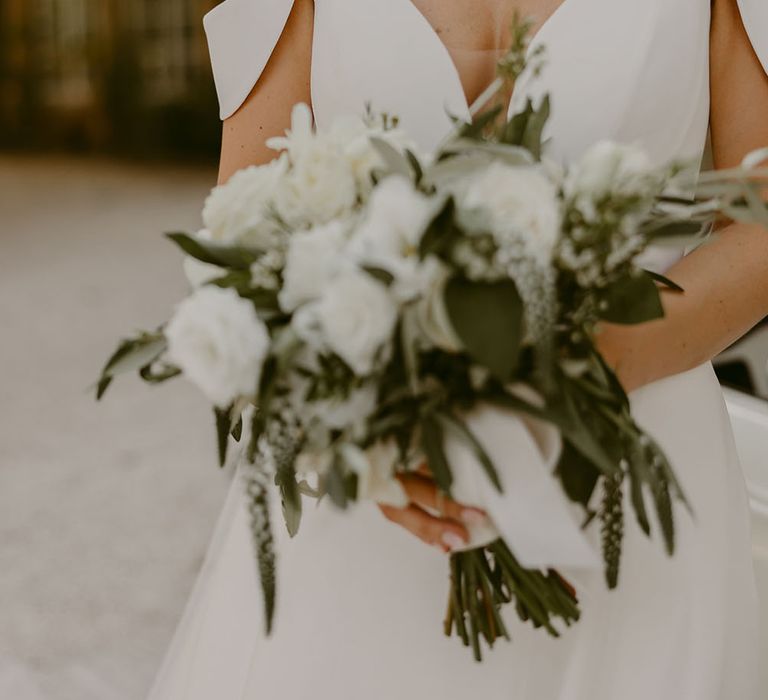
(615, 343)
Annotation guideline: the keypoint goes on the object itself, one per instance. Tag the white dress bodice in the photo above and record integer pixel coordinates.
(630, 71)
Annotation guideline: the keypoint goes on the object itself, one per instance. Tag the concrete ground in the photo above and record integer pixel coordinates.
(105, 509)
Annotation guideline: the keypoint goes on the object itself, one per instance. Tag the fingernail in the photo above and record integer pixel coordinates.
(474, 517)
(452, 540)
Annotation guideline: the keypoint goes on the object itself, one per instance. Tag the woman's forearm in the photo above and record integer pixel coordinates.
(726, 294)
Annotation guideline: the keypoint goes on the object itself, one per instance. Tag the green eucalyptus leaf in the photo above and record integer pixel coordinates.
(631, 300)
(475, 128)
(492, 336)
(226, 256)
(534, 128)
(432, 442)
(223, 427)
(290, 497)
(395, 163)
(578, 475)
(441, 232)
(335, 484)
(131, 355)
(418, 170)
(665, 281)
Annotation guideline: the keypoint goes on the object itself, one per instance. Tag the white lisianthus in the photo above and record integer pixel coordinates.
(355, 318)
(237, 211)
(609, 167)
(197, 272)
(314, 258)
(375, 470)
(219, 343)
(390, 234)
(521, 206)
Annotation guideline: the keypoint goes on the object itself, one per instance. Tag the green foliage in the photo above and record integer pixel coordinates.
(612, 528)
(225, 256)
(631, 299)
(256, 486)
(492, 337)
(134, 354)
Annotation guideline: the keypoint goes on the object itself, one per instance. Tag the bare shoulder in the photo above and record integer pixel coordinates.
(739, 86)
(266, 111)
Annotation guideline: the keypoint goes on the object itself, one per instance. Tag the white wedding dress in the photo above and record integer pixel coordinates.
(360, 602)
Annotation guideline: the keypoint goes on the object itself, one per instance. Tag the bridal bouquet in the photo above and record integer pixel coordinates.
(360, 308)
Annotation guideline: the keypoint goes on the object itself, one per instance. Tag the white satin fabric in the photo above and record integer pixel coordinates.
(361, 602)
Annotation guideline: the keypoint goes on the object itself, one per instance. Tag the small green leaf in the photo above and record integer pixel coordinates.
(394, 162)
(223, 427)
(131, 355)
(434, 449)
(380, 274)
(335, 484)
(418, 171)
(632, 300)
(672, 229)
(577, 474)
(475, 128)
(290, 497)
(534, 129)
(493, 336)
(665, 281)
(237, 430)
(226, 256)
(441, 232)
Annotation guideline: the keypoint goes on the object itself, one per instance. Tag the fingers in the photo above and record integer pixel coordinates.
(439, 532)
(423, 491)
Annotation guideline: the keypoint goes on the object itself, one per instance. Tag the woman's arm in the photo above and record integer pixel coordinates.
(726, 279)
(267, 110)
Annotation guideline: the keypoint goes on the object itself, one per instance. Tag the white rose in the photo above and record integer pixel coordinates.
(355, 318)
(391, 231)
(609, 167)
(375, 470)
(219, 343)
(319, 187)
(314, 258)
(521, 204)
(235, 212)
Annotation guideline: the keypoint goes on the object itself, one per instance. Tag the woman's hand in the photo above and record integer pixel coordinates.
(431, 516)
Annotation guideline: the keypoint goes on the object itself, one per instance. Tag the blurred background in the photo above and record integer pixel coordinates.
(129, 78)
(109, 136)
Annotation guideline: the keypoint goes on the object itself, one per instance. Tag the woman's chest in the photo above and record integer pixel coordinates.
(632, 70)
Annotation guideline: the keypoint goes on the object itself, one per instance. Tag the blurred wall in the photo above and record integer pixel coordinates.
(118, 76)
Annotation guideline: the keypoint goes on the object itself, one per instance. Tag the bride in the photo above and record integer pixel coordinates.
(361, 595)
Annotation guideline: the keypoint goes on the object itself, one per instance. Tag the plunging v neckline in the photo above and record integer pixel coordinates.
(535, 38)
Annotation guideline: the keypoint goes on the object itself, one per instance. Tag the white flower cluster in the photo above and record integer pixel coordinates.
(349, 269)
(608, 193)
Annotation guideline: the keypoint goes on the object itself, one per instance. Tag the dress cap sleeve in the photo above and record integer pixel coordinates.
(754, 14)
(241, 35)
